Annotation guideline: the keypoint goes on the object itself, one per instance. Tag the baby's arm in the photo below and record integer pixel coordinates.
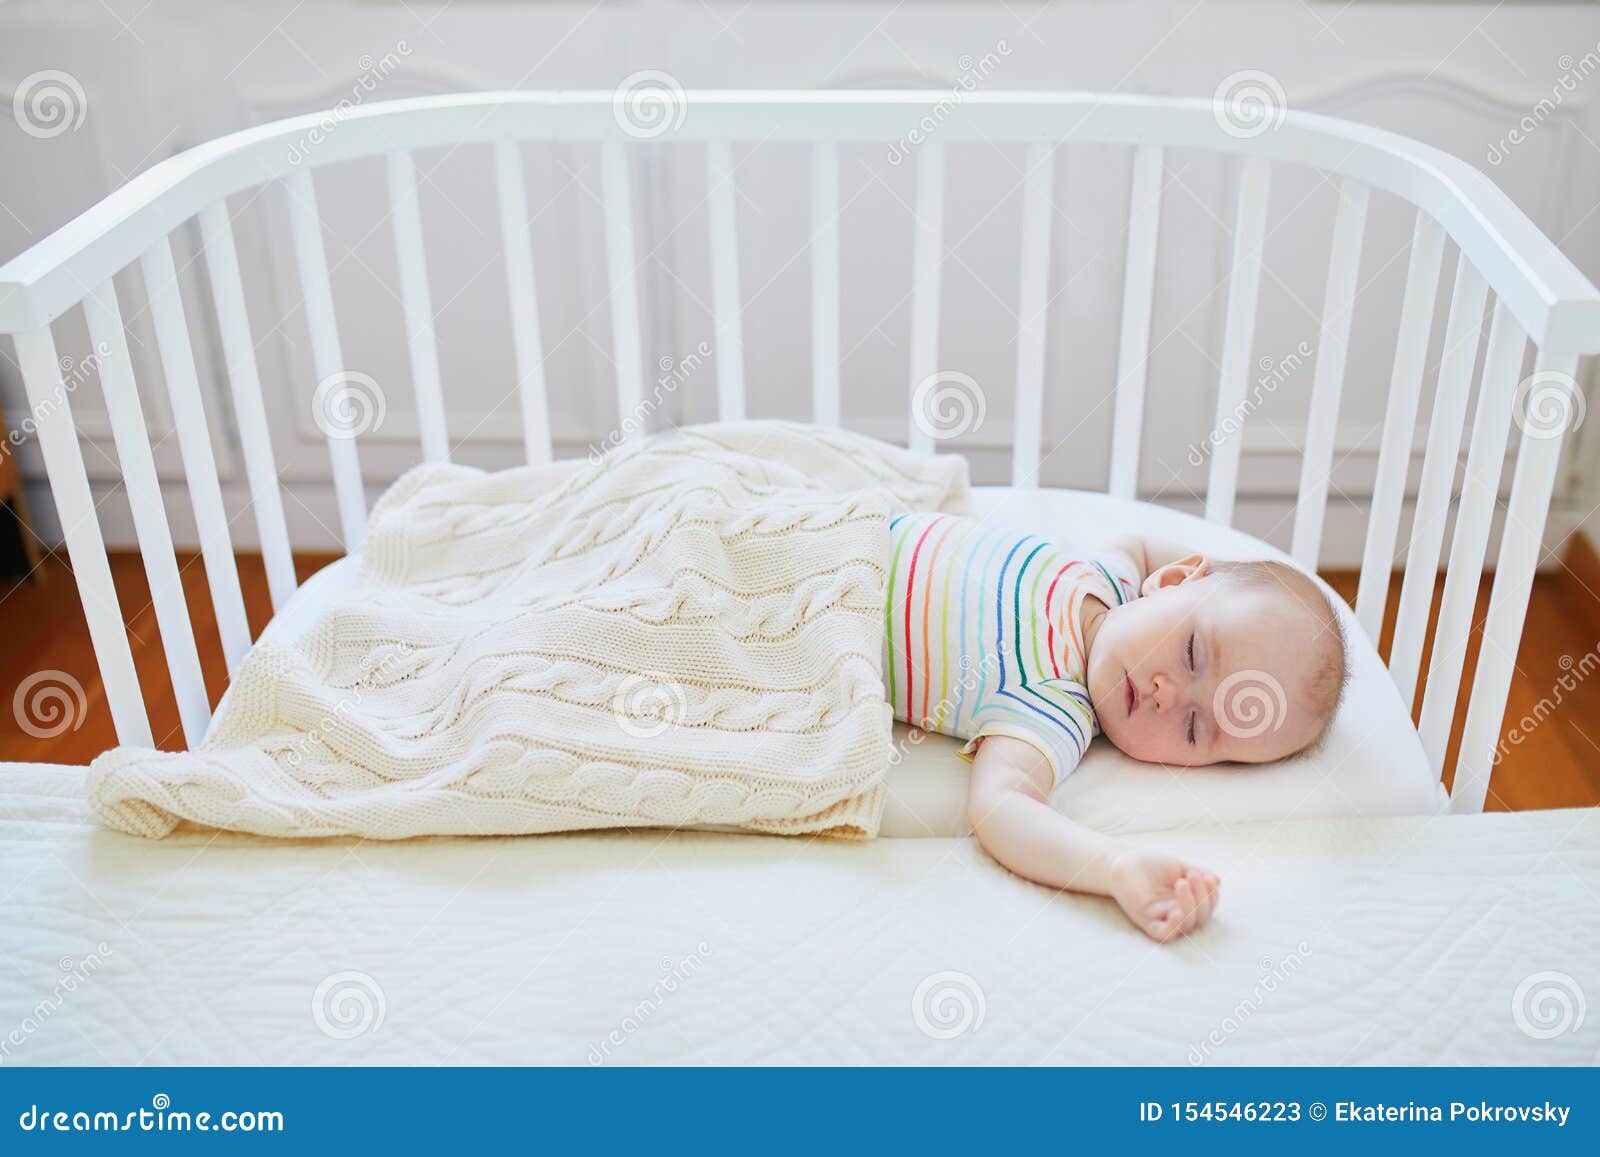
(1010, 814)
(1150, 554)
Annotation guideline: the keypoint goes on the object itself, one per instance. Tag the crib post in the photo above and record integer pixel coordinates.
(1399, 420)
(1244, 286)
(132, 440)
(327, 355)
(1138, 299)
(1532, 486)
(244, 383)
(1438, 474)
(194, 447)
(925, 287)
(825, 283)
(418, 305)
(525, 335)
(1327, 382)
(1469, 544)
(1033, 307)
(725, 280)
(624, 287)
(69, 482)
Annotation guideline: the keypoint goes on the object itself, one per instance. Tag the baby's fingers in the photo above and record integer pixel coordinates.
(1164, 922)
(1189, 899)
(1194, 885)
(1208, 899)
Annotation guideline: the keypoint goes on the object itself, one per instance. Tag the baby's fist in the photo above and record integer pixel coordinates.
(1165, 898)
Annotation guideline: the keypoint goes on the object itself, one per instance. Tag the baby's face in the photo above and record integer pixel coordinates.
(1199, 671)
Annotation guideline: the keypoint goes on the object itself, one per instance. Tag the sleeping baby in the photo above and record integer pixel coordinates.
(1027, 650)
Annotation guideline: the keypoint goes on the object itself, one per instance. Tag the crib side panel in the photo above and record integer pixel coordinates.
(338, 388)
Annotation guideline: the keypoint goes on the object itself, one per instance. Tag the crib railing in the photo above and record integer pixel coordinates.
(1538, 297)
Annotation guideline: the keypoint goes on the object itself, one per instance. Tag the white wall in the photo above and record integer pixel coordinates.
(159, 78)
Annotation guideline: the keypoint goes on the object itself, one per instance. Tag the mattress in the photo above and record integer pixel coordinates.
(1372, 764)
(1394, 940)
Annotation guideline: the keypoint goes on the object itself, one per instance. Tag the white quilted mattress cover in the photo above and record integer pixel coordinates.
(1444, 939)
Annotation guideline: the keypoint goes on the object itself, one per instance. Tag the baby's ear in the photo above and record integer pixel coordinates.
(1186, 569)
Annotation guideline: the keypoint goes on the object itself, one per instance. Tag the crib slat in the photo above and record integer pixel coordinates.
(925, 285)
(1244, 289)
(1399, 420)
(1327, 383)
(244, 381)
(326, 355)
(1532, 485)
(1502, 364)
(132, 439)
(725, 280)
(525, 335)
(1138, 298)
(69, 482)
(1438, 475)
(194, 447)
(624, 289)
(825, 283)
(1033, 306)
(418, 305)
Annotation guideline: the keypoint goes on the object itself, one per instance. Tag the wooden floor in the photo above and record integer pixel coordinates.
(42, 628)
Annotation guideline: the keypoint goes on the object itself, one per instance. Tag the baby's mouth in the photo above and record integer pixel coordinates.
(1130, 693)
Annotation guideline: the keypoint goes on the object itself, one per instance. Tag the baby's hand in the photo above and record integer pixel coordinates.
(1165, 898)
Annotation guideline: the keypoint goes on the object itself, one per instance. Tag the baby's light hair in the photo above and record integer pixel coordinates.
(1331, 674)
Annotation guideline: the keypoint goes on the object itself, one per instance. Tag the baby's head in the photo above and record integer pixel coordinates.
(1219, 661)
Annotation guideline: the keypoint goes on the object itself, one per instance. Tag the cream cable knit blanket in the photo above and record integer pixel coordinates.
(688, 631)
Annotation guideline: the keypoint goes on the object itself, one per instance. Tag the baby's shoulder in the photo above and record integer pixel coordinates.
(1121, 574)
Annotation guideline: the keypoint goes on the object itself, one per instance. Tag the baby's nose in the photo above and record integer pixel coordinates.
(1167, 692)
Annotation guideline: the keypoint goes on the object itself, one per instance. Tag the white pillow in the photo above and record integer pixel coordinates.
(1372, 763)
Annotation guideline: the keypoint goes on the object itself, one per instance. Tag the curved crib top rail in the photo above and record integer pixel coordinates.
(1554, 303)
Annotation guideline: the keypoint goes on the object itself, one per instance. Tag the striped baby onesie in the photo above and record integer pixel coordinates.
(983, 633)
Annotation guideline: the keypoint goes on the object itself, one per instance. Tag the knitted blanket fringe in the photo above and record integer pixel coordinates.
(686, 631)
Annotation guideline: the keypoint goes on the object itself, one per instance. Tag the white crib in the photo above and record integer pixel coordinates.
(1539, 298)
